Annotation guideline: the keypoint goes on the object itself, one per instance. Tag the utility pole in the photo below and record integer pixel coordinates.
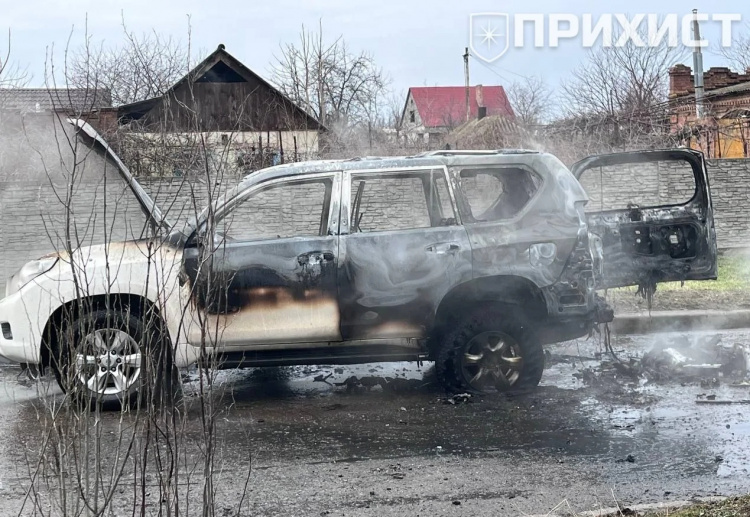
(466, 74)
(321, 93)
(697, 67)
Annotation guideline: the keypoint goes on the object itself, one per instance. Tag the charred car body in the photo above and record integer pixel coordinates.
(473, 259)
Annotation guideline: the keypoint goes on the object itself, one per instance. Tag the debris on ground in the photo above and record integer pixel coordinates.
(368, 382)
(322, 378)
(459, 398)
(706, 359)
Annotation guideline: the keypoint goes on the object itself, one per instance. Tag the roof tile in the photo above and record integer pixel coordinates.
(47, 99)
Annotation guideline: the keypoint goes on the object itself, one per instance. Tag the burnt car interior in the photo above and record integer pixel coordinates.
(497, 193)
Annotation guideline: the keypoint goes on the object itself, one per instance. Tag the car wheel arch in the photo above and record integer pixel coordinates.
(72, 308)
(500, 290)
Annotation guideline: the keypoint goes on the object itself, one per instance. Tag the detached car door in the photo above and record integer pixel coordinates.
(271, 275)
(650, 217)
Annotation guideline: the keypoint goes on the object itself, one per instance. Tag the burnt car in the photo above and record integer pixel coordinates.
(472, 259)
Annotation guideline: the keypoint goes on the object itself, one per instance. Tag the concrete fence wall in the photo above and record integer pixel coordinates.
(672, 183)
(730, 190)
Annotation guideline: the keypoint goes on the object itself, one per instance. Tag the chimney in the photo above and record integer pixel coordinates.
(718, 77)
(680, 80)
(698, 67)
(479, 94)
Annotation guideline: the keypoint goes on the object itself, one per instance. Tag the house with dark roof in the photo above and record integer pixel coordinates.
(237, 113)
(430, 112)
(67, 100)
(724, 130)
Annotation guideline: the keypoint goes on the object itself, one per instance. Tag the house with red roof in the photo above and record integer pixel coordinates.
(432, 111)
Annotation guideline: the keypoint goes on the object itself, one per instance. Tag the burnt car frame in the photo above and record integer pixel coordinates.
(473, 259)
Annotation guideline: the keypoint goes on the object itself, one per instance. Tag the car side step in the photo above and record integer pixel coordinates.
(322, 355)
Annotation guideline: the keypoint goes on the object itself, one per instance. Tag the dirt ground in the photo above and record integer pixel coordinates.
(732, 507)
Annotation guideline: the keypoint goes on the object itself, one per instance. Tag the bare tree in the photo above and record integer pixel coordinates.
(531, 99)
(11, 76)
(331, 82)
(394, 107)
(142, 67)
(738, 54)
(619, 94)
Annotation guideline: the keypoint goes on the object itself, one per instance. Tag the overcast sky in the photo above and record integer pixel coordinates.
(417, 42)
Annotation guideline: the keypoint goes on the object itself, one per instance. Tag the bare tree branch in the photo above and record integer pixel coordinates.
(145, 66)
(738, 54)
(619, 94)
(531, 100)
(334, 84)
(11, 75)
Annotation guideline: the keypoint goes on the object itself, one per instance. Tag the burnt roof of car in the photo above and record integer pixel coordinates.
(445, 157)
(441, 158)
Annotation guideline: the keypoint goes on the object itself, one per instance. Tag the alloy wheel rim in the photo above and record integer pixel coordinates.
(108, 362)
(492, 360)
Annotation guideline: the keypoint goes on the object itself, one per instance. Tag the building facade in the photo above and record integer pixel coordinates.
(724, 129)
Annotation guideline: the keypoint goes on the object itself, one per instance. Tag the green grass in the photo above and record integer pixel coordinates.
(734, 275)
(732, 507)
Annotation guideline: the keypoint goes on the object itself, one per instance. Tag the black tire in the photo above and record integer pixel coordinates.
(497, 340)
(127, 362)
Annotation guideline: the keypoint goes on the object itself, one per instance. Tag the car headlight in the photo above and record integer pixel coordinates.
(29, 272)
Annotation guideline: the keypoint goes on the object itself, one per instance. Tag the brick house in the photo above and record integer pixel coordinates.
(724, 131)
(430, 112)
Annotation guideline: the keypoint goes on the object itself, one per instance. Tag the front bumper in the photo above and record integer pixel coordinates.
(21, 336)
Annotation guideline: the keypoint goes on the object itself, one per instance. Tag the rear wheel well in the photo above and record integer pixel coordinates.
(481, 292)
(71, 310)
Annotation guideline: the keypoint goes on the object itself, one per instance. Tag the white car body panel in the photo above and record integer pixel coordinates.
(134, 269)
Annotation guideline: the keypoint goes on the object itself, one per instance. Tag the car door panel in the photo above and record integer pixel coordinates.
(268, 291)
(391, 282)
(644, 245)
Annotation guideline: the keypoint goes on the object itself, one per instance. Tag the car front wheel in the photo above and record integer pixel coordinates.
(111, 357)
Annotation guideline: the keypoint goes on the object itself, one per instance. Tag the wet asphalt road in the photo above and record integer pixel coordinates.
(320, 449)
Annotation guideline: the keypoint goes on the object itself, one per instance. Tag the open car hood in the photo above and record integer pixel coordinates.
(148, 206)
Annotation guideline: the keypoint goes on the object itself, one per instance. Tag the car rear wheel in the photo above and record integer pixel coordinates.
(111, 357)
(492, 350)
